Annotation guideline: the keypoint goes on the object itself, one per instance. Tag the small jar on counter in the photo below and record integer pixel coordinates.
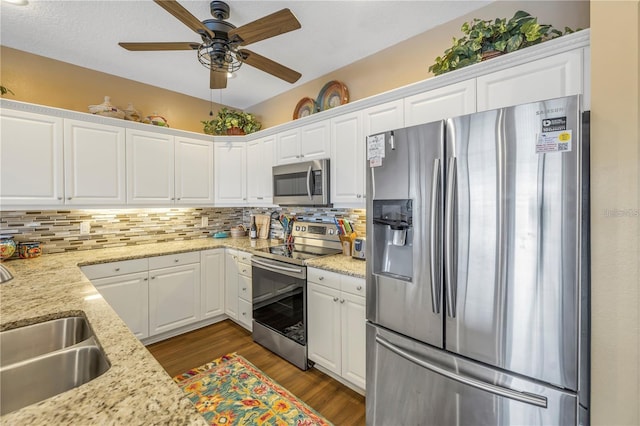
(29, 250)
(7, 246)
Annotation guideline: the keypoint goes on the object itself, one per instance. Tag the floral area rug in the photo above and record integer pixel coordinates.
(232, 391)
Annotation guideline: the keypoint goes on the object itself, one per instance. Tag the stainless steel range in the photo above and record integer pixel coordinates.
(280, 289)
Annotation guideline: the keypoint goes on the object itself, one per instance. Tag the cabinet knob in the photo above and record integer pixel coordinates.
(320, 278)
(297, 156)
(359, 196)
(341, 300)
(173, 199)
(153, 278)
(69, 198)
(146, 279)
(244, 314)
(176, 260)
(260, 198)
(335, 299)
(359, 288)
(60, 198)
(179, 199)
(117, 269)
(244, 289)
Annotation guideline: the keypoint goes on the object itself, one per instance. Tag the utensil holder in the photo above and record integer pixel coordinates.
(347, 243)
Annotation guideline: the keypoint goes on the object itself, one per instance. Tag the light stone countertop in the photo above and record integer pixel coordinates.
(135, 390)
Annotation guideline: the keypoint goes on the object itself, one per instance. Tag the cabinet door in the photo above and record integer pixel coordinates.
(174, 297)
(194, 171)
(245, 314)
(259, 174)
(552, 77)
(230, 173)
(323, 326)
(94, 156)
(212, 283)
(128, 295)
(347, 160)
(31, 162)
(382, 118)
(231, 274)
(353, 339)
(288, 147)
(438, 104)
(315, 141)
(150, 173)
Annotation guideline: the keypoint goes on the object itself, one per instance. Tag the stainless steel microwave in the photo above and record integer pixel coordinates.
(302, 184)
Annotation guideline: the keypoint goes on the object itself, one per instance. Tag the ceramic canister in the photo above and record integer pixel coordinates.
(29, 250)
(7, 246)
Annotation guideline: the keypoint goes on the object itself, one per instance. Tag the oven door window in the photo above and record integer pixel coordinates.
(295, 184)
(278, 303)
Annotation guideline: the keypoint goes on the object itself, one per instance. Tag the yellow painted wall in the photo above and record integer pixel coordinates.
(409, 61)
(45, 81)
(615, 184)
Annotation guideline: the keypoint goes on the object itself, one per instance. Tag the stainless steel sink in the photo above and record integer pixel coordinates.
(37, 339)
(46, 359)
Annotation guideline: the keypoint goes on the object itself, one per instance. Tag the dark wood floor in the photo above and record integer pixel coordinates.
(339, 404)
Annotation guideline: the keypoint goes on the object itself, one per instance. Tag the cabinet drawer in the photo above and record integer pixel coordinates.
(326, 278)
(244, 269)
(115, 268)
(354, 285)
(245, 314)
(244, 288)
(174, 259)
(244, 257)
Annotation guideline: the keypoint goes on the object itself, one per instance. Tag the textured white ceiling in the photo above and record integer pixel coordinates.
(333, 34)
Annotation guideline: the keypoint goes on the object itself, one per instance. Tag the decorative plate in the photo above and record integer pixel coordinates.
(305, 107)
(333, 94)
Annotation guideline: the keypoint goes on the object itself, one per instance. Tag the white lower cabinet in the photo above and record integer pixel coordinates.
(336, 324)
(125, 286)
(174, 291)
(231, 278)
(237, 299)
(212, 283)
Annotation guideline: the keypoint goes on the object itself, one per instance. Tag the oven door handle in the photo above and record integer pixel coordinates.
(276, 268)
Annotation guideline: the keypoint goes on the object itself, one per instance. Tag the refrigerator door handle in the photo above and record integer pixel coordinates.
(373, 183)
(450, 280)
(433, 240)
(525, 397)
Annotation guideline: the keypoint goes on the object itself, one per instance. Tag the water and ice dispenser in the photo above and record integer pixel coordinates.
(393, 238)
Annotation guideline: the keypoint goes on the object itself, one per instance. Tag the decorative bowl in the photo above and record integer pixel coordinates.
(156, 120)
(7, 246)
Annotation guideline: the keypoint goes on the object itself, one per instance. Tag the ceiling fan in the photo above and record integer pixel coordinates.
(220, 50)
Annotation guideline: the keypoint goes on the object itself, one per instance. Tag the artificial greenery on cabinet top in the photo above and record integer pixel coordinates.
(228, 119)
(488, 38)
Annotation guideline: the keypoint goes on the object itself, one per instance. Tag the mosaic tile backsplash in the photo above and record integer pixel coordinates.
(59, 230)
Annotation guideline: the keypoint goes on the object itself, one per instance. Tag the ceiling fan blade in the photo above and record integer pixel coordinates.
(269, 66)
(269, 26)
(184, 16)
(160, 46)
(217, 80)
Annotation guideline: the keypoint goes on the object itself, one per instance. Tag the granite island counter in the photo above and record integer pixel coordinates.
(136, 389)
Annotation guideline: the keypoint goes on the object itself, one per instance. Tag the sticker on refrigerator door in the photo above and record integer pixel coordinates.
(559, 141)
(375, 149)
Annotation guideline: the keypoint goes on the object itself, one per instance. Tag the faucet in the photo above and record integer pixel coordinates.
(5, 275)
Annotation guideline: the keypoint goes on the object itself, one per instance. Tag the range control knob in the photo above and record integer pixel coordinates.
(297, 228)
(304, 228)
(330, 231)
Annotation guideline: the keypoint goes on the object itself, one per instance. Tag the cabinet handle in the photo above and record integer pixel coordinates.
(335, 299)
(359, 288)
(244, 271)
(146, 279)
(260, 198)
(320, 278)
(341, 300)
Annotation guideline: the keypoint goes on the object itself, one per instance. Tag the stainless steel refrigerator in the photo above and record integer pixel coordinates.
(477, 269)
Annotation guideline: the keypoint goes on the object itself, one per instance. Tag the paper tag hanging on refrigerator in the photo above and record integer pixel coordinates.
(559, 141)
(375, 149)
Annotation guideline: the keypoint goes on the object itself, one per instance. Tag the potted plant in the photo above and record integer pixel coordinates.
(231, 122)
(484, 39)
(4, 90)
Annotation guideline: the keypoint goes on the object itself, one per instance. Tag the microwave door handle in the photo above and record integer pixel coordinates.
(309, 183)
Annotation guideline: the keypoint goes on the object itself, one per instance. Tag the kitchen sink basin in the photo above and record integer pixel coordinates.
(46, 359)
(30, 341)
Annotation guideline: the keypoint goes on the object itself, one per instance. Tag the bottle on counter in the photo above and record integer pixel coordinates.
(253, 231)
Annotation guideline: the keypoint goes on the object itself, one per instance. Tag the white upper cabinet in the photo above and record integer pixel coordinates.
(31, 159)
(193, 171)
(259, 174)
(438, 104)
(547, 78)
(347, 160)
(94, 156)
(306, 143)
(383, 117)
(150, 174)
(230, 173)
